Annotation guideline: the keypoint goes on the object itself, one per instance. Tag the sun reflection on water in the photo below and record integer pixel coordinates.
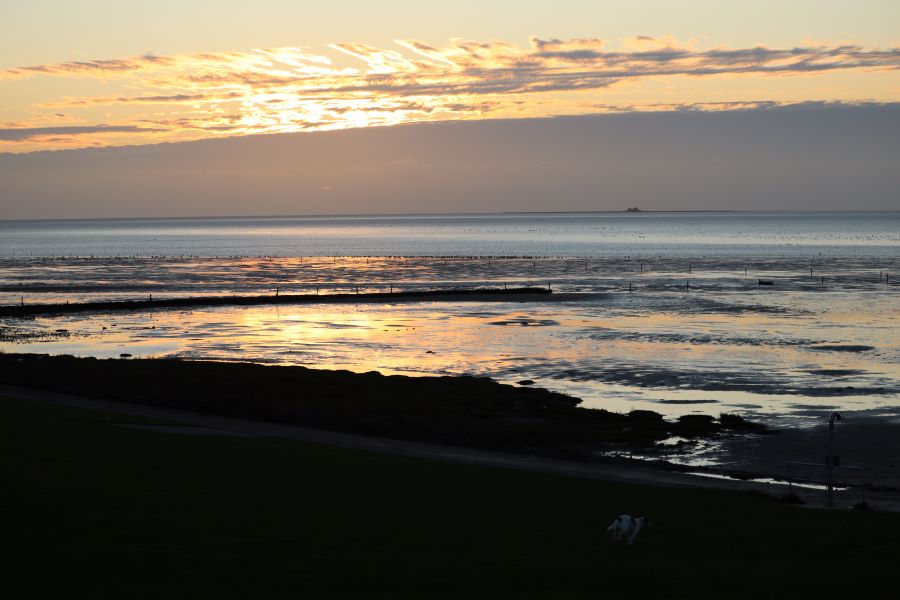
(619, 355)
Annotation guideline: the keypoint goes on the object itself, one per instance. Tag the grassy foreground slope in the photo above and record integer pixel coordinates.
(467, 411)
(98, 510)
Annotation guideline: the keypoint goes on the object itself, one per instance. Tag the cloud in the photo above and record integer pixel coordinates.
(90, 68)
(788, 159)
(293, 89)
(463, 68)
(178, 98)
(735, 106)
(544, 60)
(15, 134)
(573, 50)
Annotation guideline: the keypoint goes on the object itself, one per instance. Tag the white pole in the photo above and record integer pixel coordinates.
(834, 417)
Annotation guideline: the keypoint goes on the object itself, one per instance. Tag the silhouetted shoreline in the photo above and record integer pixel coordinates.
(475, 412)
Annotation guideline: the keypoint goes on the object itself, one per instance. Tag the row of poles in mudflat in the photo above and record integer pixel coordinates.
(884, 277)
(443, 259)
(489, 261)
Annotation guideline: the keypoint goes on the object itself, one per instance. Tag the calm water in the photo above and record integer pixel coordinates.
(594, 234)
(671, 316)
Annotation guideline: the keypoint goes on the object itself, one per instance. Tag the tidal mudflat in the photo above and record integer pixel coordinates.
(779, 318)
(776, 354)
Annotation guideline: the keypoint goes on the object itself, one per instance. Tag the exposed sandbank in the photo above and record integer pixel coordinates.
(528, 294)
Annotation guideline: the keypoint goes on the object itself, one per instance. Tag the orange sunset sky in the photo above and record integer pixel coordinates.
(159, 109)
(91, 73)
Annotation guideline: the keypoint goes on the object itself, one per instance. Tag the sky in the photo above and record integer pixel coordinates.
(93, 74)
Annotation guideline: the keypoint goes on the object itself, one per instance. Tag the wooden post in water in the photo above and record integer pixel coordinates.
(831, 459)
(629, 286)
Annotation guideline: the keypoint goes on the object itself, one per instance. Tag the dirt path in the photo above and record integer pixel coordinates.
(633, 474)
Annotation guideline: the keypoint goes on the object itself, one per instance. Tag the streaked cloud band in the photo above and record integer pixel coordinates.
(291, 89)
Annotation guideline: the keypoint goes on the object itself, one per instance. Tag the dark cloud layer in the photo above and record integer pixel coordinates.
(26, 133)
(804, 157)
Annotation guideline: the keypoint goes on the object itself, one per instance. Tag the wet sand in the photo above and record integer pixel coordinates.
(868, 442)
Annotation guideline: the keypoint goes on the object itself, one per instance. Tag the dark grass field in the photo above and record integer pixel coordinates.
(94, 510)
(475, 412)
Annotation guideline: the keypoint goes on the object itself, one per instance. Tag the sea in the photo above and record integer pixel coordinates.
(781, 317)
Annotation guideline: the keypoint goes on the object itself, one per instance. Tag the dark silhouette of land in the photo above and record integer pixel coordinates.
(462, 411)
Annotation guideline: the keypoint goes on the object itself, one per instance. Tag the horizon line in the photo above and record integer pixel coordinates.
(443, 214)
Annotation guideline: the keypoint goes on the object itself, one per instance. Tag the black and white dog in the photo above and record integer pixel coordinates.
(626, 527)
